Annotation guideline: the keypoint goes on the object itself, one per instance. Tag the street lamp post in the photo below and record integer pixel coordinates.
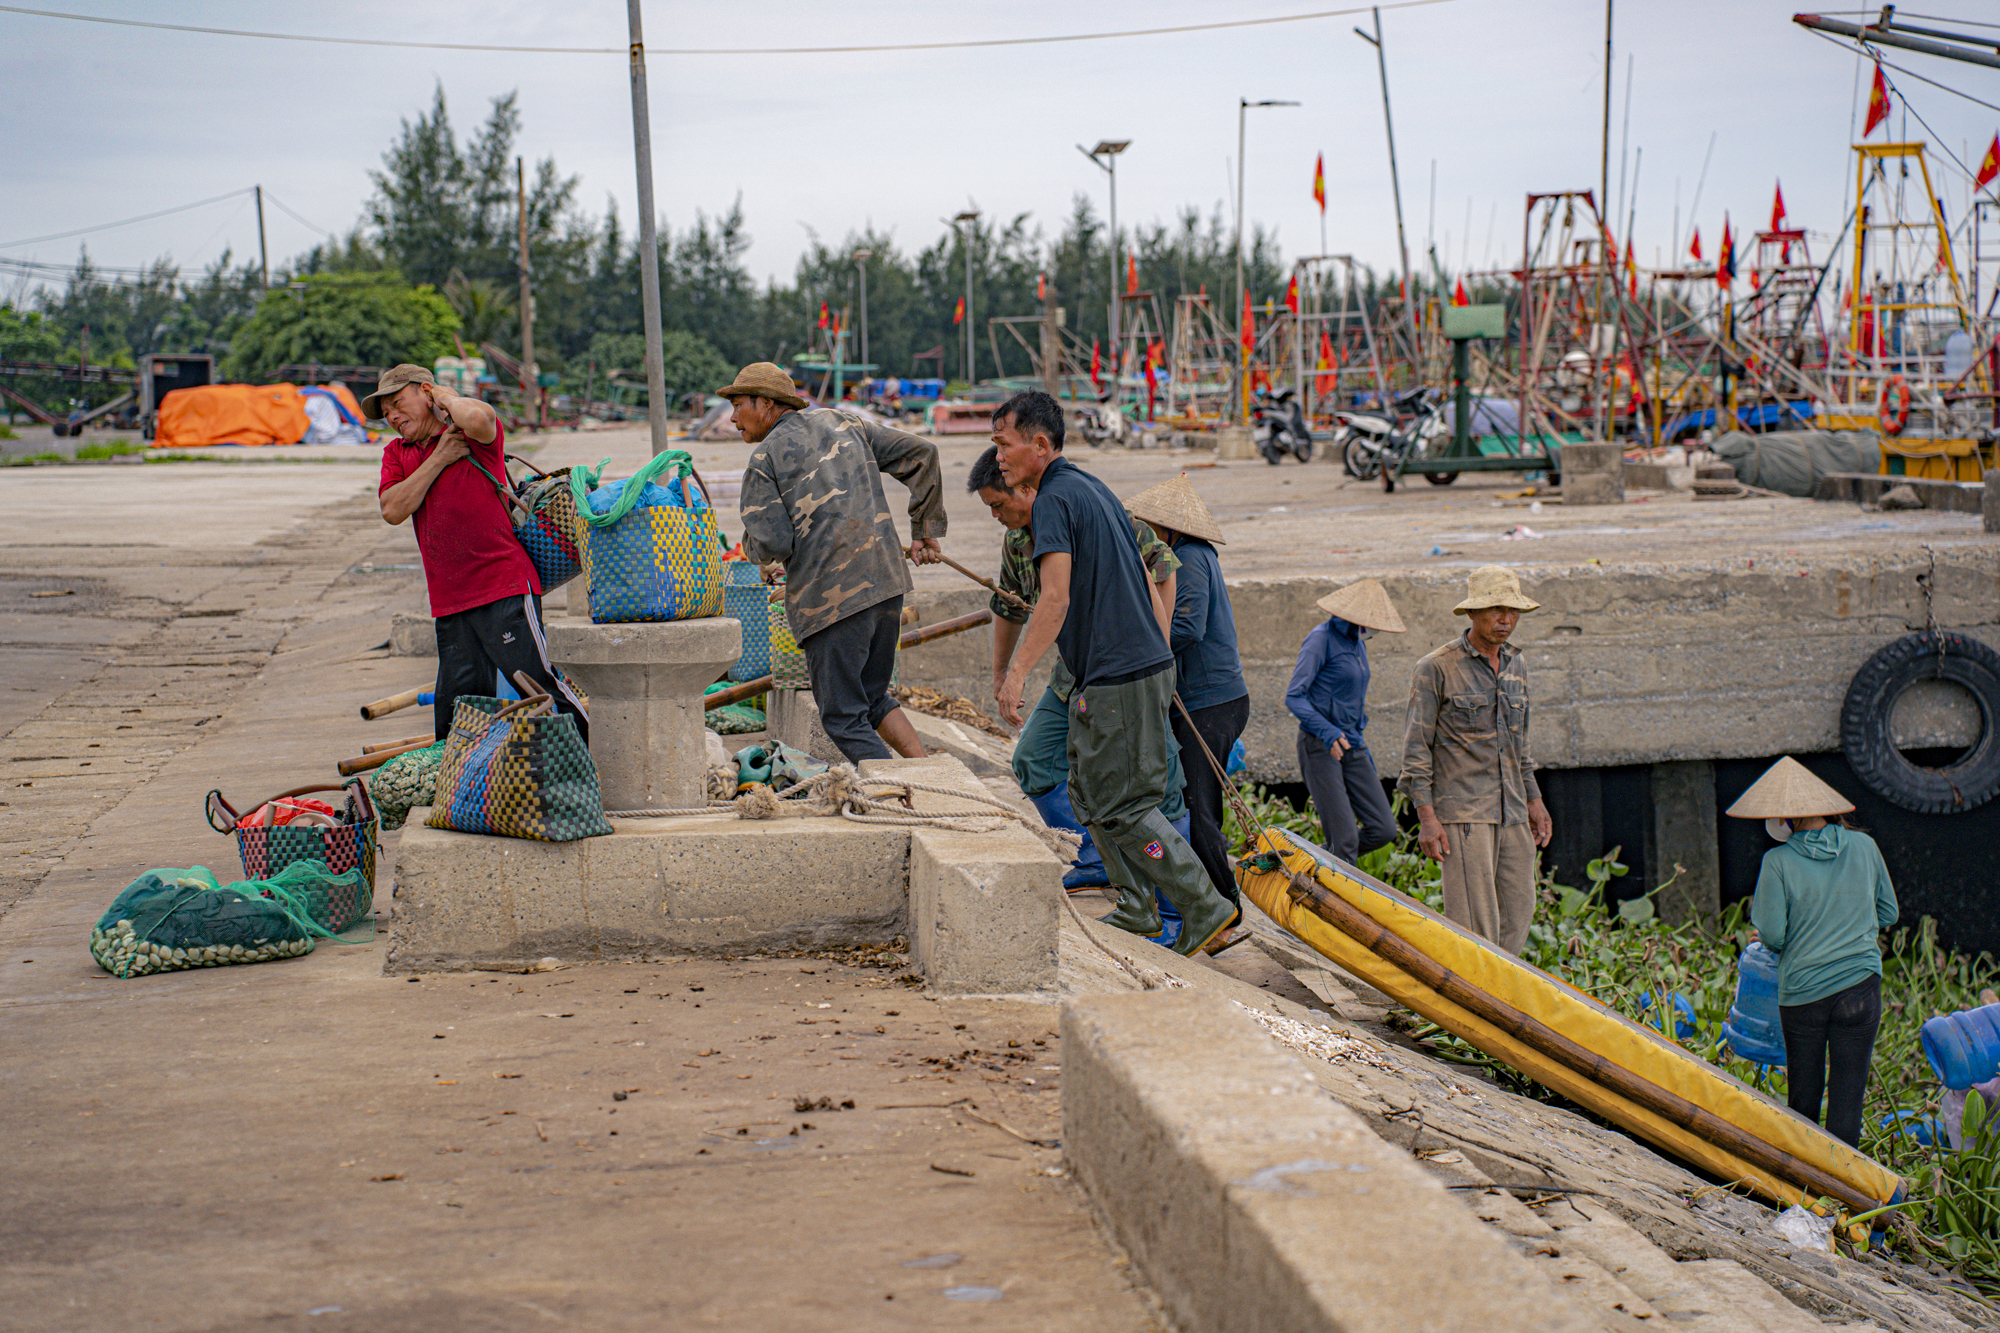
(861, 262)
(1243, 105)
(969, 216)
(649, 248)
(1105, 158)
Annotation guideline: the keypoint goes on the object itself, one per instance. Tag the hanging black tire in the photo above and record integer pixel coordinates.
(1440, 478)
(1865, 716)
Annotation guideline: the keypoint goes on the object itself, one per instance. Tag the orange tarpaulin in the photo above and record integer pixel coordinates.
(231, 414)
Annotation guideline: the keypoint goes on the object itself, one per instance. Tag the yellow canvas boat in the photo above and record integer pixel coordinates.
(1629, 1074)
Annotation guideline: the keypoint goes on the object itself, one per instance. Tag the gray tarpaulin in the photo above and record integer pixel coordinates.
(1793, 461)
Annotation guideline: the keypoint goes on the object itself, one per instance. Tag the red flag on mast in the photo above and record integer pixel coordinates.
(1725, 259)
(958, 315)
(1292, 294)
(825, 318)
(1459, 297)
(1249, 324)
(1327, 385)
(1878, 102)
(1695, 249)
(1319, 183)
(1042, 286)
(1778, 208)
(1131, 275)
(1096, 366)
(1989, 166)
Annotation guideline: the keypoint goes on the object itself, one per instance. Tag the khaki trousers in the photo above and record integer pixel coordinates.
(1489, 881)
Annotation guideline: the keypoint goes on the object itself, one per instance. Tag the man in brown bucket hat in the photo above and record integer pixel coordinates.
(1467, 768)
(813, 502)
(443, 470)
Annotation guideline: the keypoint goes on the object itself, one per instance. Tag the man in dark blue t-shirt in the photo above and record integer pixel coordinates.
(1096, 610)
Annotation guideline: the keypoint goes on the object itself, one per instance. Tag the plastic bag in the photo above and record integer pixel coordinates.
(173, 920)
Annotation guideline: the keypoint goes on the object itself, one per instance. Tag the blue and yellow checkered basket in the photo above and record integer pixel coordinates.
(651, 549)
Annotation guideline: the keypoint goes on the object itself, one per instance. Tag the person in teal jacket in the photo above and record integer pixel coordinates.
(1823, 898)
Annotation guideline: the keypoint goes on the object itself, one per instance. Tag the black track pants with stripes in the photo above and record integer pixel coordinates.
(490, 642)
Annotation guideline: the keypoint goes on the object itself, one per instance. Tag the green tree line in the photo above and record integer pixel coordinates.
(435, 254)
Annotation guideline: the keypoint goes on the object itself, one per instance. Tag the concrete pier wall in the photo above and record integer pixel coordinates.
(1634, 664)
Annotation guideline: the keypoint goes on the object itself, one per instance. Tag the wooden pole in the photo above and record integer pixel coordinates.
(363, 763)
(380, 746)
(395, 702)
(750, 689)
(1379, 940)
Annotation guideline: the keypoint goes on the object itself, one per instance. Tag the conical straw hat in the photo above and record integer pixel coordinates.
(1788, 791)
(1365, 604)
(1173, 504)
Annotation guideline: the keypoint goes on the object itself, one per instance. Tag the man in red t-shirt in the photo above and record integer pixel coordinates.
(483, 588)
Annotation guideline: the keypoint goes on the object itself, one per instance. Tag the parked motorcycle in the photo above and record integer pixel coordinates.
(1416, 438)
(1278, 424)
(1359, 437)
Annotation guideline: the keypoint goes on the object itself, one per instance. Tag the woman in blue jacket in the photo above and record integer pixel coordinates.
(1328, 690)
(1823, 899)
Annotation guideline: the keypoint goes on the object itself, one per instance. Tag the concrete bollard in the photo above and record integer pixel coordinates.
(1593, 473)
(1989, 503)
(1235, 442)
(646, 720)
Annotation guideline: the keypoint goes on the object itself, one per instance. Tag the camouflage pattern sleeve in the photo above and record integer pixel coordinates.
(1160, 560)
(1017, 575)
(914, 462)
(767, 528)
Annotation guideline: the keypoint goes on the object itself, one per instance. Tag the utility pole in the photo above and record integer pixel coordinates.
(1601, 370)
(1395, 180)
(1243, 106)
(263, 254)
(962, 221)
(861, 263)
(649, 244)
(530, 377)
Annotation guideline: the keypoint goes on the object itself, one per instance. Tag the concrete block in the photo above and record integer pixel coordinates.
(715, 885)
(1989, 501)
(791, 716)
(1958, 497)
(645, 683)
(1235, 442)
(1253, 1201)
(1593, 473)
(413, 636)
(984, 911)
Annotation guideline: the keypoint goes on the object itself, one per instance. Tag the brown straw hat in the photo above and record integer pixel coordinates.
(1173, 504)
(394, 380)
(763, 379)
(1365, 604)
(1494, 585)
(1789, 791)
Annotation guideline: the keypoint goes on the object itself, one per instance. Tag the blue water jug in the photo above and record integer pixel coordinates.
(1964, 1048)
(1752, 1030)
(1685, 1024)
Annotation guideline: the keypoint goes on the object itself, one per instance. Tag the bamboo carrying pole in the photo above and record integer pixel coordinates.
(380, 746)
(367, 762)
(394, 703)
(987, 584)
(1379, 940)
(911, 638)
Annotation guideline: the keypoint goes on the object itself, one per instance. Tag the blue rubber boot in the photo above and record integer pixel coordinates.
(1087, 871)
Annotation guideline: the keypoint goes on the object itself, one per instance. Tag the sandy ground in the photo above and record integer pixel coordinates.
(313, 1141)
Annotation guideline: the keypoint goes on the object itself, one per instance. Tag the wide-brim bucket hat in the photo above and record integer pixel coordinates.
(1788, 790)
(1365, 604)
(1174, 504)
(763, 379)
(1491, 586)
(394, 380)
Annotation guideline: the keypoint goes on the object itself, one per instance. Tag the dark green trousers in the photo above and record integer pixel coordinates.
(1041, 755)
(1122, 755)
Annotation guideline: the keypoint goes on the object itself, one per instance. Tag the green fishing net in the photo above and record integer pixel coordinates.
(172, 920)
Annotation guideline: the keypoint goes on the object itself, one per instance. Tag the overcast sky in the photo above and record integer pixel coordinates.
(1504, 97)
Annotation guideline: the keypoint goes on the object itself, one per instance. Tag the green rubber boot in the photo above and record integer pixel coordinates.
(1136, 910)
(1205, 914)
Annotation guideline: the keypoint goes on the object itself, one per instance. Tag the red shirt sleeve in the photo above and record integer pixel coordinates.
(392, 466)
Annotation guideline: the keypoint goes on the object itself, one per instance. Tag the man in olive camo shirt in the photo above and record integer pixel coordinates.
(813, 502)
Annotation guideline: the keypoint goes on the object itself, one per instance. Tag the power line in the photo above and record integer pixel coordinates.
(719, 50)
(143, 217)
(314, 226)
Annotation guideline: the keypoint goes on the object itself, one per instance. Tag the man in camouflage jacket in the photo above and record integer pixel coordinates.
(813, 502)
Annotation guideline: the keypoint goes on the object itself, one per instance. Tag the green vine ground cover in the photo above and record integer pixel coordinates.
(1625, 954)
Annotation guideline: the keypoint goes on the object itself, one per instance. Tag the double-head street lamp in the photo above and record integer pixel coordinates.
(1243, 105)
(1105, 158)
